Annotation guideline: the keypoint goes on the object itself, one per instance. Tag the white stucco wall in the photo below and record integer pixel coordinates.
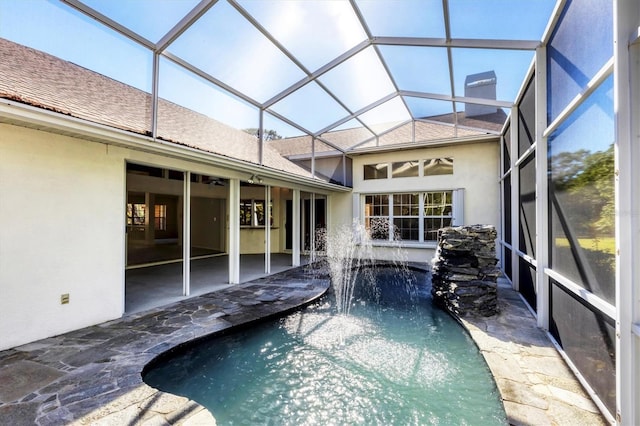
(62, 211)
(476, 169)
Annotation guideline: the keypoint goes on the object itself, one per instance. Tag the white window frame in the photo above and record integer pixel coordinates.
(457, 215)
(254, 212)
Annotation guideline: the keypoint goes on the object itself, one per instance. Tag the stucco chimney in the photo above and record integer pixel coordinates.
(481, 85)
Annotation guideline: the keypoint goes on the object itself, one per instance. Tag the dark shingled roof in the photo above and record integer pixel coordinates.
(425, 131)
(39, 79)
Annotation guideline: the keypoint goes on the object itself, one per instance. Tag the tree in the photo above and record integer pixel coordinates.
(566, 167)
(269, 135)
(584, 182)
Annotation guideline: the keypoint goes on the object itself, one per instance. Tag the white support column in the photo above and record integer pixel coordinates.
(501, 235)
(295, 229)
(392, 229)
(515, 201)
(356, 206)
(125, 194)
(148, 234)
(458, 207)
(626, 73)
(329, 224)
(267, 229)
(345, 181)
(261, 138)
(155, 79)
(421, 196)
(234, 231)
(313, 157)
(542, 191)
(312, 228)
(413, 131)
(186, 235)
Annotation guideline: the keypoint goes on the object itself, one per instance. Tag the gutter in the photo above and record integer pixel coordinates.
(426, 144)
(17, 113)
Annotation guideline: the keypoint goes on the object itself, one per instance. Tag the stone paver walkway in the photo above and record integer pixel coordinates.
(535, 383)
(93, 375)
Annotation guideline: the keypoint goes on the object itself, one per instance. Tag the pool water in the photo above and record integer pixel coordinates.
(385, 363)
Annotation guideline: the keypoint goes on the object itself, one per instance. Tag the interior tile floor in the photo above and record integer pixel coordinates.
(152, 286)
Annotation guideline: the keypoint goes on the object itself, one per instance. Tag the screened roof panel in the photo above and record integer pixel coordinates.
(56, 28)
(422, 69)
(314, 31)
(306, 64)
(499, 19)
(359, 81)
(225, 45)
(407, 18)
(351, 134)
(505, 63)
(151, 19)
(322, 147)
(190, 91)
(424, 108)
(348, 125)
(481, 117)
(282, 128)
(386, 116)
(302, 106)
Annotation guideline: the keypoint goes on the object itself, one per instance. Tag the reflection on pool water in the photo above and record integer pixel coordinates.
(385, 363)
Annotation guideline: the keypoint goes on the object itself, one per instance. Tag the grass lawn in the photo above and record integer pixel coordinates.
(604, 244)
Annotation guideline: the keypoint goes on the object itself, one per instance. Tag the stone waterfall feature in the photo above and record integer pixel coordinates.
(465, 270)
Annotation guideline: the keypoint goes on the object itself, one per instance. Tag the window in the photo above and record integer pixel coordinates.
(438, 166)
(258, 208)
(252, 213)
(376, 171)
(404, 169)
(414, 216)
(160, 217)
(246, 207)
(376, 216)
(135, 214)
(438, 213)
(406, 211)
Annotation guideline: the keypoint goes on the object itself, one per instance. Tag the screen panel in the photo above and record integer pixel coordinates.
(588, 338)
(582, 204)
(527, 277)
(573, 61)
(527, 203)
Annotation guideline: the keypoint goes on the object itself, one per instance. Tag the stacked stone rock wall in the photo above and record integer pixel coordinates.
(465, 270)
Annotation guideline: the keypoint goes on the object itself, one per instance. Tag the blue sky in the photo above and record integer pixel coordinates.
(226, 46)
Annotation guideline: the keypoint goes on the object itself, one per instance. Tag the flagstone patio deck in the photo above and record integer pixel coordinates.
(93, 375)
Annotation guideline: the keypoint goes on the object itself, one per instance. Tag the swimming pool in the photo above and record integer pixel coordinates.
(384, 363)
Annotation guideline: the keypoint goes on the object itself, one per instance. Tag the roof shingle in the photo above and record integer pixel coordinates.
(39, 79)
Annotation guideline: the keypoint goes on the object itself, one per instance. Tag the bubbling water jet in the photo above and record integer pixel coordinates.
(352, 264)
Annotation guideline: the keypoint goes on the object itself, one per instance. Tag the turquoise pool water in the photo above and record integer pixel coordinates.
(386, 363)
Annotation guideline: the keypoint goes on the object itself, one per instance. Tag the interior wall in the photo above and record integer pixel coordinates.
(252, 239)
(63, 213)
(208, 223)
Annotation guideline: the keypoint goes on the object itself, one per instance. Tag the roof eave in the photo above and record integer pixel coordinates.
(425, 144)
(17, 113)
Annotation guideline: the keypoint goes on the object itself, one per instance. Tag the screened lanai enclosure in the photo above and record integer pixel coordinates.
(337, 76)
(222, 138)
